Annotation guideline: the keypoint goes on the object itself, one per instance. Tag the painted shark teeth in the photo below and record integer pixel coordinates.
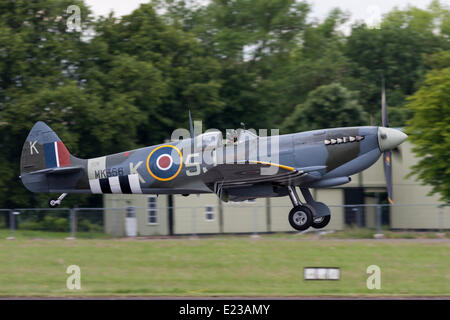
(343, 140)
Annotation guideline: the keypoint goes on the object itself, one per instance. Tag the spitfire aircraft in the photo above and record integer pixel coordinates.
(312, 159)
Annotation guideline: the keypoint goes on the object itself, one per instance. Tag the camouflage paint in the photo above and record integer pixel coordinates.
(306, 153)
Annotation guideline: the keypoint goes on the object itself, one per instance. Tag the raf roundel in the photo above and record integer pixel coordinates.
(164, 162)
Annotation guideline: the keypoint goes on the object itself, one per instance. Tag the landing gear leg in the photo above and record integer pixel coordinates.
(301, 216)
(294, 196)
(54, 203)
(322, 214)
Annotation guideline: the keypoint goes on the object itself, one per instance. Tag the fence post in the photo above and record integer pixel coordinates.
(378, 219)
(72, 222)
(221, 217)
(12, 225)
(268, 216)
(255, 222)
(116, 223)
(441, 218)
(193, 222)
(358, 216)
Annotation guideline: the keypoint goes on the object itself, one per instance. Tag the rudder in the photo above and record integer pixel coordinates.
(43, 149)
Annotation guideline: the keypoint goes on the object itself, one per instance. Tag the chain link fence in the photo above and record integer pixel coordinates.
(246, 218)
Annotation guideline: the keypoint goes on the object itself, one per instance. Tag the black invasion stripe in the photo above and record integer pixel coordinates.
(125, 184)
(104, 185)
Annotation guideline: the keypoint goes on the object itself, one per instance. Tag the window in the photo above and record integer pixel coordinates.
(209, 213)
(152, 210)
(131, 212)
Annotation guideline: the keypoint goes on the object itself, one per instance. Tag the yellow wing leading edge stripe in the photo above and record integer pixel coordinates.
(273, 164)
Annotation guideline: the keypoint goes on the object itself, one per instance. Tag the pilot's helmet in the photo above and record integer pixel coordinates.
(232, 135)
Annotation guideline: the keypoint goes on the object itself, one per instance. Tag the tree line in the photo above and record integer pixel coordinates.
(127, 82)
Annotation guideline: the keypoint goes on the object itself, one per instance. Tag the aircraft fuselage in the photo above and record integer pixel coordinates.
(171, 168)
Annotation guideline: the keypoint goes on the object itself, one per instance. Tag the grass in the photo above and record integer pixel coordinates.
(267, 266)
(36, 234)
(364, 233)
(349, 233)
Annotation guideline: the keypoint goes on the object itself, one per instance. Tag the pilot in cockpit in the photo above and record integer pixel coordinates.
(232, 136)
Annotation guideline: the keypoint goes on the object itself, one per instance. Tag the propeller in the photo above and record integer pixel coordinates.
(191, 127)
(387, 154)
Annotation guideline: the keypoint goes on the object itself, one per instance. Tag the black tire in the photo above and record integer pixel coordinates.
(321, 222)
(54, 205)
(300, 218)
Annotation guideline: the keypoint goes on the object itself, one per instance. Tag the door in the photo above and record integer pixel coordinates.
(355, 215)
(130, 222)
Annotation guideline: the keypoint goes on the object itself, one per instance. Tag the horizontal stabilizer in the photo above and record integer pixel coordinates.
(59, 170)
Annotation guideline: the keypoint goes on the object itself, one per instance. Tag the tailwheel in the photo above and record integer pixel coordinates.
(53, 203)
(321, 222)
(300, 217)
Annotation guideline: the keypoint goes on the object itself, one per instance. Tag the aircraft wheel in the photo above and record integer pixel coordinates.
(53, 203)
(321, 222)
(300, 217)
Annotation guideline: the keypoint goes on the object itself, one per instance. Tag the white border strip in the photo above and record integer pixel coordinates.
(56, 153)
(115, 185)
(134, 183)
(95, 186)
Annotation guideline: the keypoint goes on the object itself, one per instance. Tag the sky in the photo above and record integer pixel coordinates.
(370, 11)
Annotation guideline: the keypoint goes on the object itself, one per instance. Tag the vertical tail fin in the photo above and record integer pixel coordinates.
(43, 149)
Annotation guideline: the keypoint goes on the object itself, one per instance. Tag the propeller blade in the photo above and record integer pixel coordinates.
(191, 127)
(387, 164)
(384, 115)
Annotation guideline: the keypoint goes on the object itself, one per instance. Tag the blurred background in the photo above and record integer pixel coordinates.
(125, 80)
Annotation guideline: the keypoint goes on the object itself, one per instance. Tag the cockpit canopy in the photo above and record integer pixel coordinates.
(209, 140)
(213, 139)
(246, 135)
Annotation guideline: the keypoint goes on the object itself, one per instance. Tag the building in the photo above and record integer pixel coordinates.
(206, 214)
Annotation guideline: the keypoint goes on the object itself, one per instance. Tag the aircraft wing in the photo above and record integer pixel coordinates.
(250, 173)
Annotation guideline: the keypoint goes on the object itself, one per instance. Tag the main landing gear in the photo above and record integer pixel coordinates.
(312, 214)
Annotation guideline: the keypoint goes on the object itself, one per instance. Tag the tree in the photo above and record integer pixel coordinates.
(38, 81)
(429, 128)
(394, 51)
(251, 40)
(327, 106)
(159, 69)
(318, 60)
(251, 30)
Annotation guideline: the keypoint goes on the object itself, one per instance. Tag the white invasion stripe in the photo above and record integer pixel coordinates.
(96, 164)
(94, 184)
(56, 153)
(115, 185)
(135, 186)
